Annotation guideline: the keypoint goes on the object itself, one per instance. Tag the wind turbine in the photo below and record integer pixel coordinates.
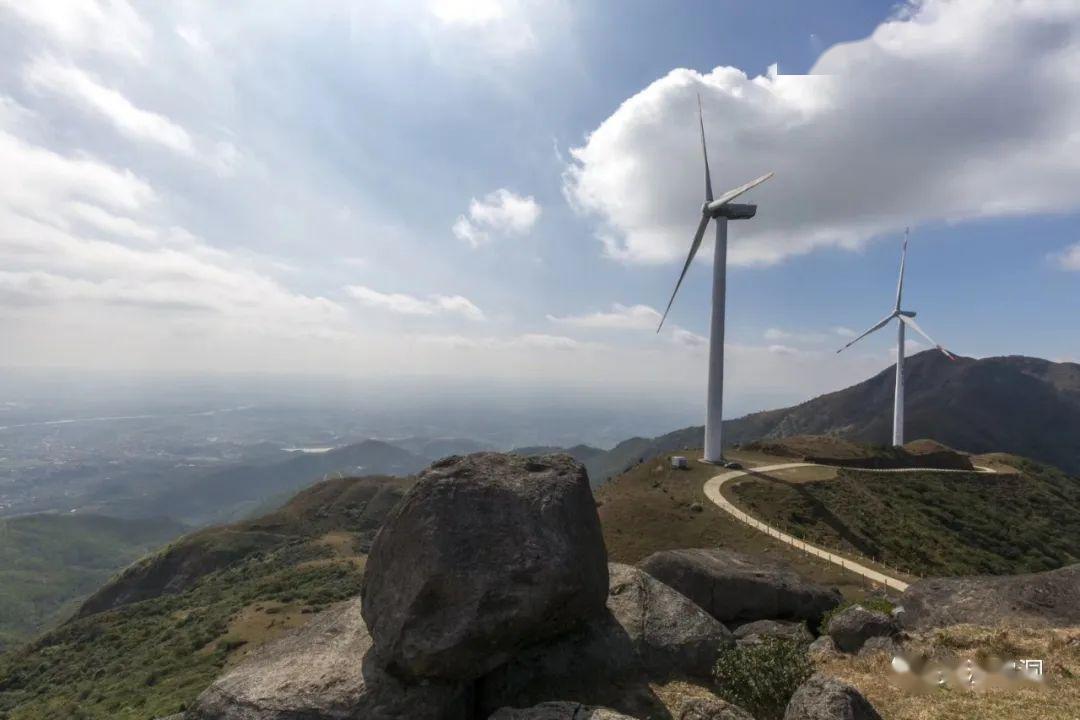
(905, 318)
(720, 209)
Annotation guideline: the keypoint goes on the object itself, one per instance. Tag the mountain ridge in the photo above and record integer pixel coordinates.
(1015, 404)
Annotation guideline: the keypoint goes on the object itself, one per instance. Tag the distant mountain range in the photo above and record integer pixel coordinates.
(241, 490)
(1021, 405)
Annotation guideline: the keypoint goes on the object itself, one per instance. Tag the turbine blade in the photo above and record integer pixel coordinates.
(704, 152)
(903, 261)
(689, 259)
(881, 323)
(915, 326)
(732, 194)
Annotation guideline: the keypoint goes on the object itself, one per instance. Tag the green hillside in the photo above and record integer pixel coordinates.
(155, 636)
(930, 523)
(48, 563)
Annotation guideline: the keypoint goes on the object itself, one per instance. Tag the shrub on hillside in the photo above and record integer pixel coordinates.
(762, 678)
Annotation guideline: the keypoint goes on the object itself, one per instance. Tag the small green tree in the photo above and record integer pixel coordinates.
(762, 678)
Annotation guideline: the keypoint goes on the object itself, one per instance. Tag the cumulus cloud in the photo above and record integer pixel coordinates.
(625, 317)
(905, 126)
(1069, 258)
(501, 213)
(403, 304)
(845, 332)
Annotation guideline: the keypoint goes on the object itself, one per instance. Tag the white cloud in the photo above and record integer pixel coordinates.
(844, 331)
(910, 348)
(1069, 258)
(688, 339)
(33, 180)
(905, 126)
(467, 12)
(500, 28)
(537, 341)
(626, 317)
(80, 236)
(106, 26)
(134, 122)
(501, 213)
(403, 304)
(129, 120)
(776, 334)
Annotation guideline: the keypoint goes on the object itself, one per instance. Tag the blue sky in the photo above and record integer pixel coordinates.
(506, 189)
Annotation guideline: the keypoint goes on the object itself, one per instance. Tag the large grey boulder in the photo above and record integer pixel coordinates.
(558, 711)
(649, 633)
(825, 698)
(754, 632)
(1045, 599)
(326, 670)
(853, 626)
(735, 588)
(485, 555)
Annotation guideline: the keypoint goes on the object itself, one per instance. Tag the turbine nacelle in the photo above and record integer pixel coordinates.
(906, 317)
(730, 211)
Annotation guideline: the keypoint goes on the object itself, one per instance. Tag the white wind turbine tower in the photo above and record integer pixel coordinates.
(721, 209)
(905, 318)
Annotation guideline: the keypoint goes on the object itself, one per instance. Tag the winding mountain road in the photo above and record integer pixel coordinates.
(713, 491)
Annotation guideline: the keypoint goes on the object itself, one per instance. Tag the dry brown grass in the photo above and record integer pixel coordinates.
(1058, 698)
(256, 625)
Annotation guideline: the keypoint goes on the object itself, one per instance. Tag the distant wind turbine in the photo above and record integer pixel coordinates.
(721, 209)
(906, 318)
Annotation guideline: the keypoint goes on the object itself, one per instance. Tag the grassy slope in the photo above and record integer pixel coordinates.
(653, 507)
(151, 657)
(48, 563)
(931, 524)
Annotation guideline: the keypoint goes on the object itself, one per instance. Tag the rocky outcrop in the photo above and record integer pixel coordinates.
(754, 632)
(881, 644)
(853, 626)
(1046, 599)
(485, 555)
(558, 711)
(710, 709)
(324, 671)
(488, 593)
(822, 649)
(736, 589)
(649, 632)
(826, 698)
